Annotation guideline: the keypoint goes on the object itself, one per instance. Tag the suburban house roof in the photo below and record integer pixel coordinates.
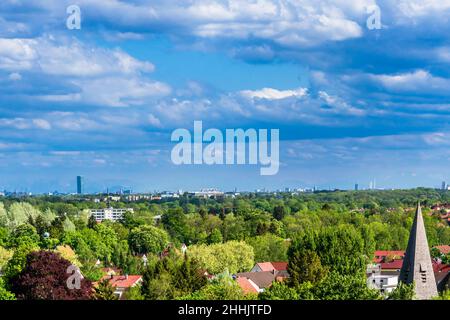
(380, 255)
(262, 279)
(270, 266)
(445, 249)
(247, 285)
(393, 265)
(123, 281)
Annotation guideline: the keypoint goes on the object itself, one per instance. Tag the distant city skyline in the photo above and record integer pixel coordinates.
(352, 104)
(81, 188)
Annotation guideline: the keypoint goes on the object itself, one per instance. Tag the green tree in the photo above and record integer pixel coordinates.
(148, 239)
(68, 225)
(234, 256)
(215, 237)
(223, 287)
(344, 287)
(92, 222)
(16, 264)
(341, 248)
(25, 234)
(189, 277)
(104, 291)
(269, 247)
(174, 222)
(305, 266)
(403, 292)
(280, 291)
(5, 294)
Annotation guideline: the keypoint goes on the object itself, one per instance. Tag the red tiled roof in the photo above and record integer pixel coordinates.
(246, 285)
(123, 281)
(270, 266)
(280, 266)
(440, 267)
(265, 266)
(394, 265)
(381, 254)
(385, 253)
(443, 249)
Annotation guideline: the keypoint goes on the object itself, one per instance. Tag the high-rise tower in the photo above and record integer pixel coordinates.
(80, 185)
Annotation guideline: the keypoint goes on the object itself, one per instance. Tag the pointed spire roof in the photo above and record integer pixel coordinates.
(417, 266)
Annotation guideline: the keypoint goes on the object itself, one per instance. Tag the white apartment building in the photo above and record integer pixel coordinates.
(109, 214)
(384, 283)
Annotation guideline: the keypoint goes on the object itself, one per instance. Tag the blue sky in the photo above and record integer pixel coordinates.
(351, 104)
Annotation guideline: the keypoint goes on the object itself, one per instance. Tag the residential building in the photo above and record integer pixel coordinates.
(123, 283)
(262, 275)
(207, 193)
(384, 283)
(112, 214)
(259, 281)
(270, 266)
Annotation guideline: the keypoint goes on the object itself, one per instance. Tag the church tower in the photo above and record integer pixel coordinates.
(417, 266)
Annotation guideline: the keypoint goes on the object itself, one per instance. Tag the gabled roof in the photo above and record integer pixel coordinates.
(443, 249)
(123, 282)
(262, 279)
(280, 266)
(393, 265)
(270, 266)
(385, 253)
(247, 285)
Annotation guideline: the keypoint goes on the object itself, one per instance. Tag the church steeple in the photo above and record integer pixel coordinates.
(417, 266)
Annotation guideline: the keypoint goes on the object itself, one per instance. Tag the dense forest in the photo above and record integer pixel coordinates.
(332, 235)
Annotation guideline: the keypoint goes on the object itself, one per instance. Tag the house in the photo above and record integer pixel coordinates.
(262, 275)
(247, 285)
(445, 249)
(257, 281)
(123, 283)
(383, 282)
(270, 266)
(386, 255)
(112, 214)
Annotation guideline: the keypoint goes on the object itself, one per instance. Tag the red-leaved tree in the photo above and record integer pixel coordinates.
(45, 277)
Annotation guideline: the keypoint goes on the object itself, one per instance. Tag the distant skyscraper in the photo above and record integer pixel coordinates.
(417, 267)
(356, 187)
(444, 185)
(80, 185)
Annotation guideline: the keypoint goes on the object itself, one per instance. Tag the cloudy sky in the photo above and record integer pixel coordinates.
(352, 104)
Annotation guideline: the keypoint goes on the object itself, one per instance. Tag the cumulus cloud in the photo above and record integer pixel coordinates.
(106, 77)
(274, 94)
(288, 22)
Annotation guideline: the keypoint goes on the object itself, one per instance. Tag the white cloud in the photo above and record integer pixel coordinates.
(120, 92)
(42, 124)
(154, 121)
(292, 23)
(15, 76)
(416, 81)
(274, 94)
